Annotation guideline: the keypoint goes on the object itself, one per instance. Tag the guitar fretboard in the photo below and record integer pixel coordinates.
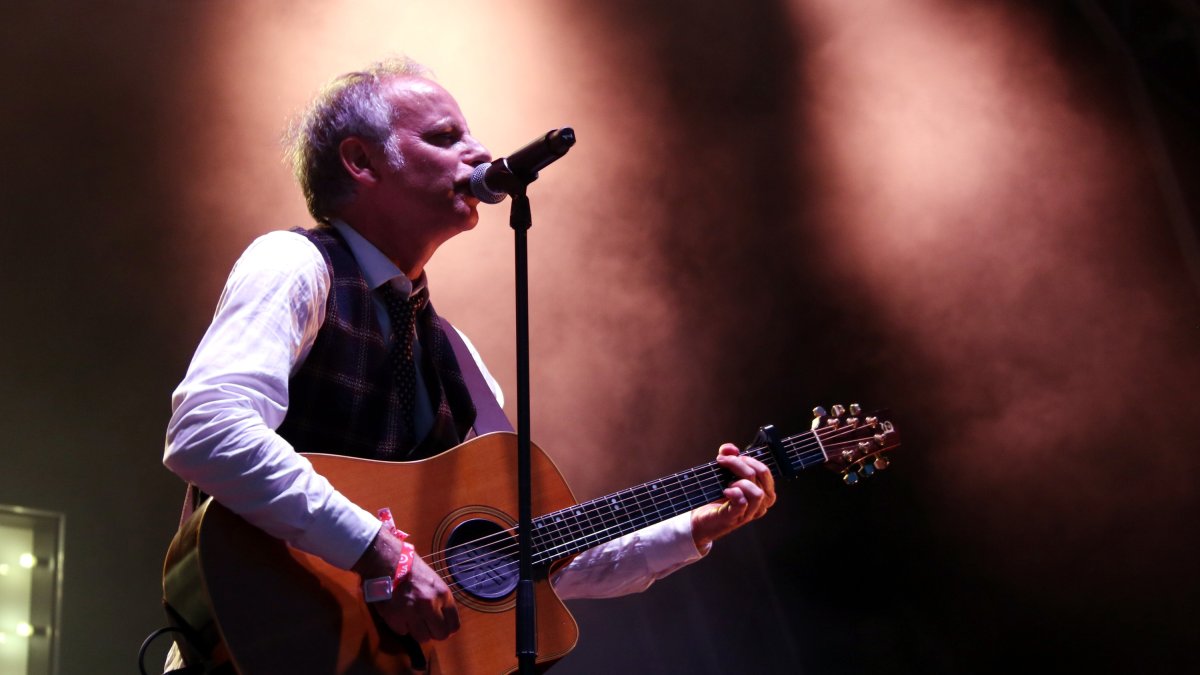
(580, 527)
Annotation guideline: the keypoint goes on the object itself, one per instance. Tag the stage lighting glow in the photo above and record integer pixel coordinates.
(24, 629)
(987, 190)
(261, 67)
(28, 561)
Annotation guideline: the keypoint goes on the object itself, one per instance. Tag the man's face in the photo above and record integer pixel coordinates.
(429, 189)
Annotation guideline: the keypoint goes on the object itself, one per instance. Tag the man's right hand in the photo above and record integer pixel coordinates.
(422, 605)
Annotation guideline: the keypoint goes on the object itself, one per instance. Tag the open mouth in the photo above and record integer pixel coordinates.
(463, 189)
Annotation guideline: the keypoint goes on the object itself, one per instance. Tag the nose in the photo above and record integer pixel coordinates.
(476, 154)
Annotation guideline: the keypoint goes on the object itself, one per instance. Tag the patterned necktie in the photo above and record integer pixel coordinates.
(403, 314)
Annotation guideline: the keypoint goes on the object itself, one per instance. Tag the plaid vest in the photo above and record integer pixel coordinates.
(342, 400)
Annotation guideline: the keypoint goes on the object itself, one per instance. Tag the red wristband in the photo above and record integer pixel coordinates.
(381, 588)
(404, 565)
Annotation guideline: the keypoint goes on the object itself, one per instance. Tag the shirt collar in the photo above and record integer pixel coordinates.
(377, 269)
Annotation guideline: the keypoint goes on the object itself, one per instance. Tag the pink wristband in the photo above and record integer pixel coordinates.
(404, 565)
(381, 588)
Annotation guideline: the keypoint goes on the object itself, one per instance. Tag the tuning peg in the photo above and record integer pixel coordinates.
(855, 409)
(867, 470)
(882, 462)
(818, 417)
(850, 478)
(839, 410)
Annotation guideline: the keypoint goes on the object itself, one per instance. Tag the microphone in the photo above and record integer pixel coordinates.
(491, 182)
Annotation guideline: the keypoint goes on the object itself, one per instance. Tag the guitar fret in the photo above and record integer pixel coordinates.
(600, 520)
(586, 525)
(607, 518)
(573, 525)
(655, 499)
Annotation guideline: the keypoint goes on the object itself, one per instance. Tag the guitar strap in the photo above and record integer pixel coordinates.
(191, 499)
(489, 416)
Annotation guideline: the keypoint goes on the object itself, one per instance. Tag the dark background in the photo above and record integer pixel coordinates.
(1037, 347)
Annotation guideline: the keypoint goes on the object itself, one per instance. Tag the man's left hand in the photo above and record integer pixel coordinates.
(748, 497)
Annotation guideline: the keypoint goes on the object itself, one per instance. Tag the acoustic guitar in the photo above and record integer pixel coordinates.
(249, 603)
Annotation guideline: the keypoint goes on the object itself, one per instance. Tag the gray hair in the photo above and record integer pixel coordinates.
(351, 105)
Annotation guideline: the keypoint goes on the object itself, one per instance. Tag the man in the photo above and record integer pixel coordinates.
(323, 341)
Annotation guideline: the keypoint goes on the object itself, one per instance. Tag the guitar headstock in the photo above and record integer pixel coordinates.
(854, 442)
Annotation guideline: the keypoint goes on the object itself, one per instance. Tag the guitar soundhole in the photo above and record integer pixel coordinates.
(482, 557)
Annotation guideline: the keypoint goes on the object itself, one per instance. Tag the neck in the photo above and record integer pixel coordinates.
(407, 249)
(579, 527)
(412, 265)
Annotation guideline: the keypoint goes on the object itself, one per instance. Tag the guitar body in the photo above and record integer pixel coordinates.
(262, 607)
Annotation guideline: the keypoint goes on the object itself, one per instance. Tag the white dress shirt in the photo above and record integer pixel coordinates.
(222, 436)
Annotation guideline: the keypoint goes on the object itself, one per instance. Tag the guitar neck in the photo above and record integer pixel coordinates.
(573, 530)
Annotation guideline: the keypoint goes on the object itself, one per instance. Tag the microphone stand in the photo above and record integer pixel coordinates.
(513, 177)
(521, 219)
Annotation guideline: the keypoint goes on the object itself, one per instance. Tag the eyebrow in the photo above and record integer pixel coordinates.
(444, 122)
(441, 125)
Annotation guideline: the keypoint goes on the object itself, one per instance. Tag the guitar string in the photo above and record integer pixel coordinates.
(703, 479)
(633, 491)
(569, 537)
(582, 516)
(584, 510)
(570, 533)
(566, 529)
(576, 544)
(496, 570)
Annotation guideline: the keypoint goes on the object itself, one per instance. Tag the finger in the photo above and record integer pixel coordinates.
(445, 620)
(761, 470)
(753, 493)
(727, 449)
(763, 477)
(735, 498)
(736, 465)
(757, 471)
(756, 499)
(450, 613)
(766, 502)
(397, 621)
(758, 508)
(769, 488)
(419, 632)
(438, 630)
(399, 625)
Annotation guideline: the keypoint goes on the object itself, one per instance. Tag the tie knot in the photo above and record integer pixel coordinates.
(402, 310)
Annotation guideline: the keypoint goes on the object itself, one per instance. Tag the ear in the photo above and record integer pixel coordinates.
(357, 159)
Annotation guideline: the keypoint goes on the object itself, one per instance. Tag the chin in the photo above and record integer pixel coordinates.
(470, 221)
(462, 225)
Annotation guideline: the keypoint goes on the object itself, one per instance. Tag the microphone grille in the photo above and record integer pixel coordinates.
(479, 186)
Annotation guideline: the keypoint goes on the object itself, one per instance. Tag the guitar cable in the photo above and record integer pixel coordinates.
(186, 670)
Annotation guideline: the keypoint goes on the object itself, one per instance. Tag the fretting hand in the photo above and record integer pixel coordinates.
(748, 497)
